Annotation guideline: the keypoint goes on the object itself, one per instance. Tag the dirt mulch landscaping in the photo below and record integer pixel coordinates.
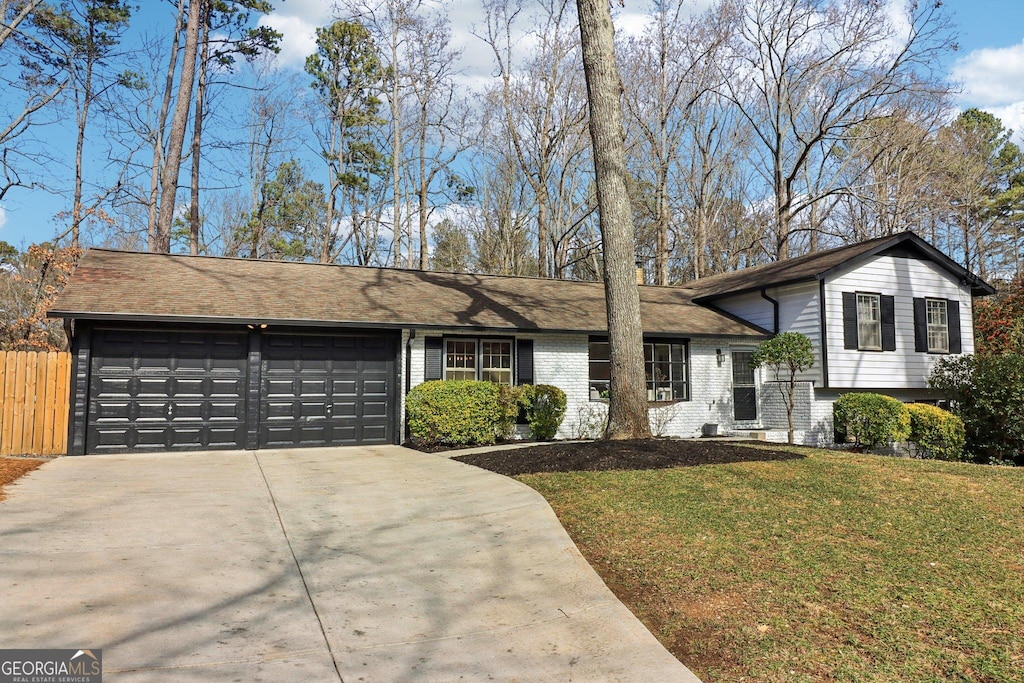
(641, 454)
(12, 468)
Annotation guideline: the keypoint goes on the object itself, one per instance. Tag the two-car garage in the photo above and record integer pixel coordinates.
(168, 388)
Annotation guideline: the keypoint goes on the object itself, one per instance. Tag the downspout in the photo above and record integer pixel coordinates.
(408, 360)
(408, 383)
(775, 309)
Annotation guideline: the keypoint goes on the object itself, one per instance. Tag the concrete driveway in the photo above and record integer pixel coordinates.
(351, 564)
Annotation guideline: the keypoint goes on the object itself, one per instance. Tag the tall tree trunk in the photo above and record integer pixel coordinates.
(158, 138)
(197, 136)
(627, 408)
(424, 191)
(83, 117)
(543, 269)
(176, 140)
(396, 151)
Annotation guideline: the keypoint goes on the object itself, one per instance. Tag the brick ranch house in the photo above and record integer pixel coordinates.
(186, 352)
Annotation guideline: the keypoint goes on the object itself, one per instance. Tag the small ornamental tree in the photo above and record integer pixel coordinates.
(786, 355)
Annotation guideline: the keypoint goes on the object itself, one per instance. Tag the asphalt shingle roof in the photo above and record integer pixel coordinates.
(142, 286)
(820, 263)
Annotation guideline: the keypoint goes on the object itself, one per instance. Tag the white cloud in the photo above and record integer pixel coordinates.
(1012, 116)
(298, 38)
(3, 216)
(992, 77)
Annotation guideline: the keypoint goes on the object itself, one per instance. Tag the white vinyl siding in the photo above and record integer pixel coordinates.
(903, 279)
(799, 311)
(750, 307)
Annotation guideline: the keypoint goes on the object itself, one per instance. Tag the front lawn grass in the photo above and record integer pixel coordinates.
(835, 567)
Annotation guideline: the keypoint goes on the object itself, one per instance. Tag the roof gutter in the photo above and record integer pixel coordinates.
(364, 324)
(775, 309)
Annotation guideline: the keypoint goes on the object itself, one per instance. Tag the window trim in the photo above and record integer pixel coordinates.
(684, 342)
(944, 305)
(877, 296)
(478, 342)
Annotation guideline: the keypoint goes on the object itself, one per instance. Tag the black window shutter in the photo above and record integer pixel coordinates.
(953, 319)
(433, 356)
(921, 326)
(524, 361)
(888, 304)
(849, 320)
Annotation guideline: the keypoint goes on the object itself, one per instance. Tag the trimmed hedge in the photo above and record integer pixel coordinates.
(473, 413)
(872, 419)
(939, 433)
(458, 412)
(545, 409)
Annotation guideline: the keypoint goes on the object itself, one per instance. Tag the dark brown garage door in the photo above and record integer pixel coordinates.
(320, 390)
(166, 390)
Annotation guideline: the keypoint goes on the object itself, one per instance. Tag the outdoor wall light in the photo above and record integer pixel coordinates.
(720, 357)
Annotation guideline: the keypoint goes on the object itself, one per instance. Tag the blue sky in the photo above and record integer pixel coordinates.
(989, 65)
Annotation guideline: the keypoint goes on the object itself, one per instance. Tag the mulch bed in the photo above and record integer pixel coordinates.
(641, 454)
(12, 468)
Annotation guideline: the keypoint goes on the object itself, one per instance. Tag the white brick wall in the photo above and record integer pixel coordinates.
(562, 360)
(812, 415)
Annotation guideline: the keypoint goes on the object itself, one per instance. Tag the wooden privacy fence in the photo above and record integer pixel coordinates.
(34, 402)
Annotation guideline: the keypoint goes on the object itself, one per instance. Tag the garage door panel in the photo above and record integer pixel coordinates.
(153, 386)
(375, 408)
(226, 388)
(345, 388)
(342, 409)
(312, 387)
(274, 387)
(111, 410)
(166, 390)
(154, 390)
(278, 409)
(345, 435)
(328, 390)
(374, 434)
(225, 410)
(149, 410)
(375, 387)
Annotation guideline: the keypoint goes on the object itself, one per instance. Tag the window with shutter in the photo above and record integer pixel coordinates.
(937, 322)
(869, 322)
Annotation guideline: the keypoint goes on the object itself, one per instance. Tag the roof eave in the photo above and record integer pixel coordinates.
(755, 332)
(755, 288)
(978, 286)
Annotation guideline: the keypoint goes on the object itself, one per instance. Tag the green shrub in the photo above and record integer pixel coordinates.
(872, 419)
(938, 432)
(545, 409)
(457, 412)
(987, 392)
(511, 401)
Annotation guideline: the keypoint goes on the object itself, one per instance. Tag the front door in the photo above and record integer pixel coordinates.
(744, 391)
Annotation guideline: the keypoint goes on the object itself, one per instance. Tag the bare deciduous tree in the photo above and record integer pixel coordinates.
(541, 116)
(804, 73)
